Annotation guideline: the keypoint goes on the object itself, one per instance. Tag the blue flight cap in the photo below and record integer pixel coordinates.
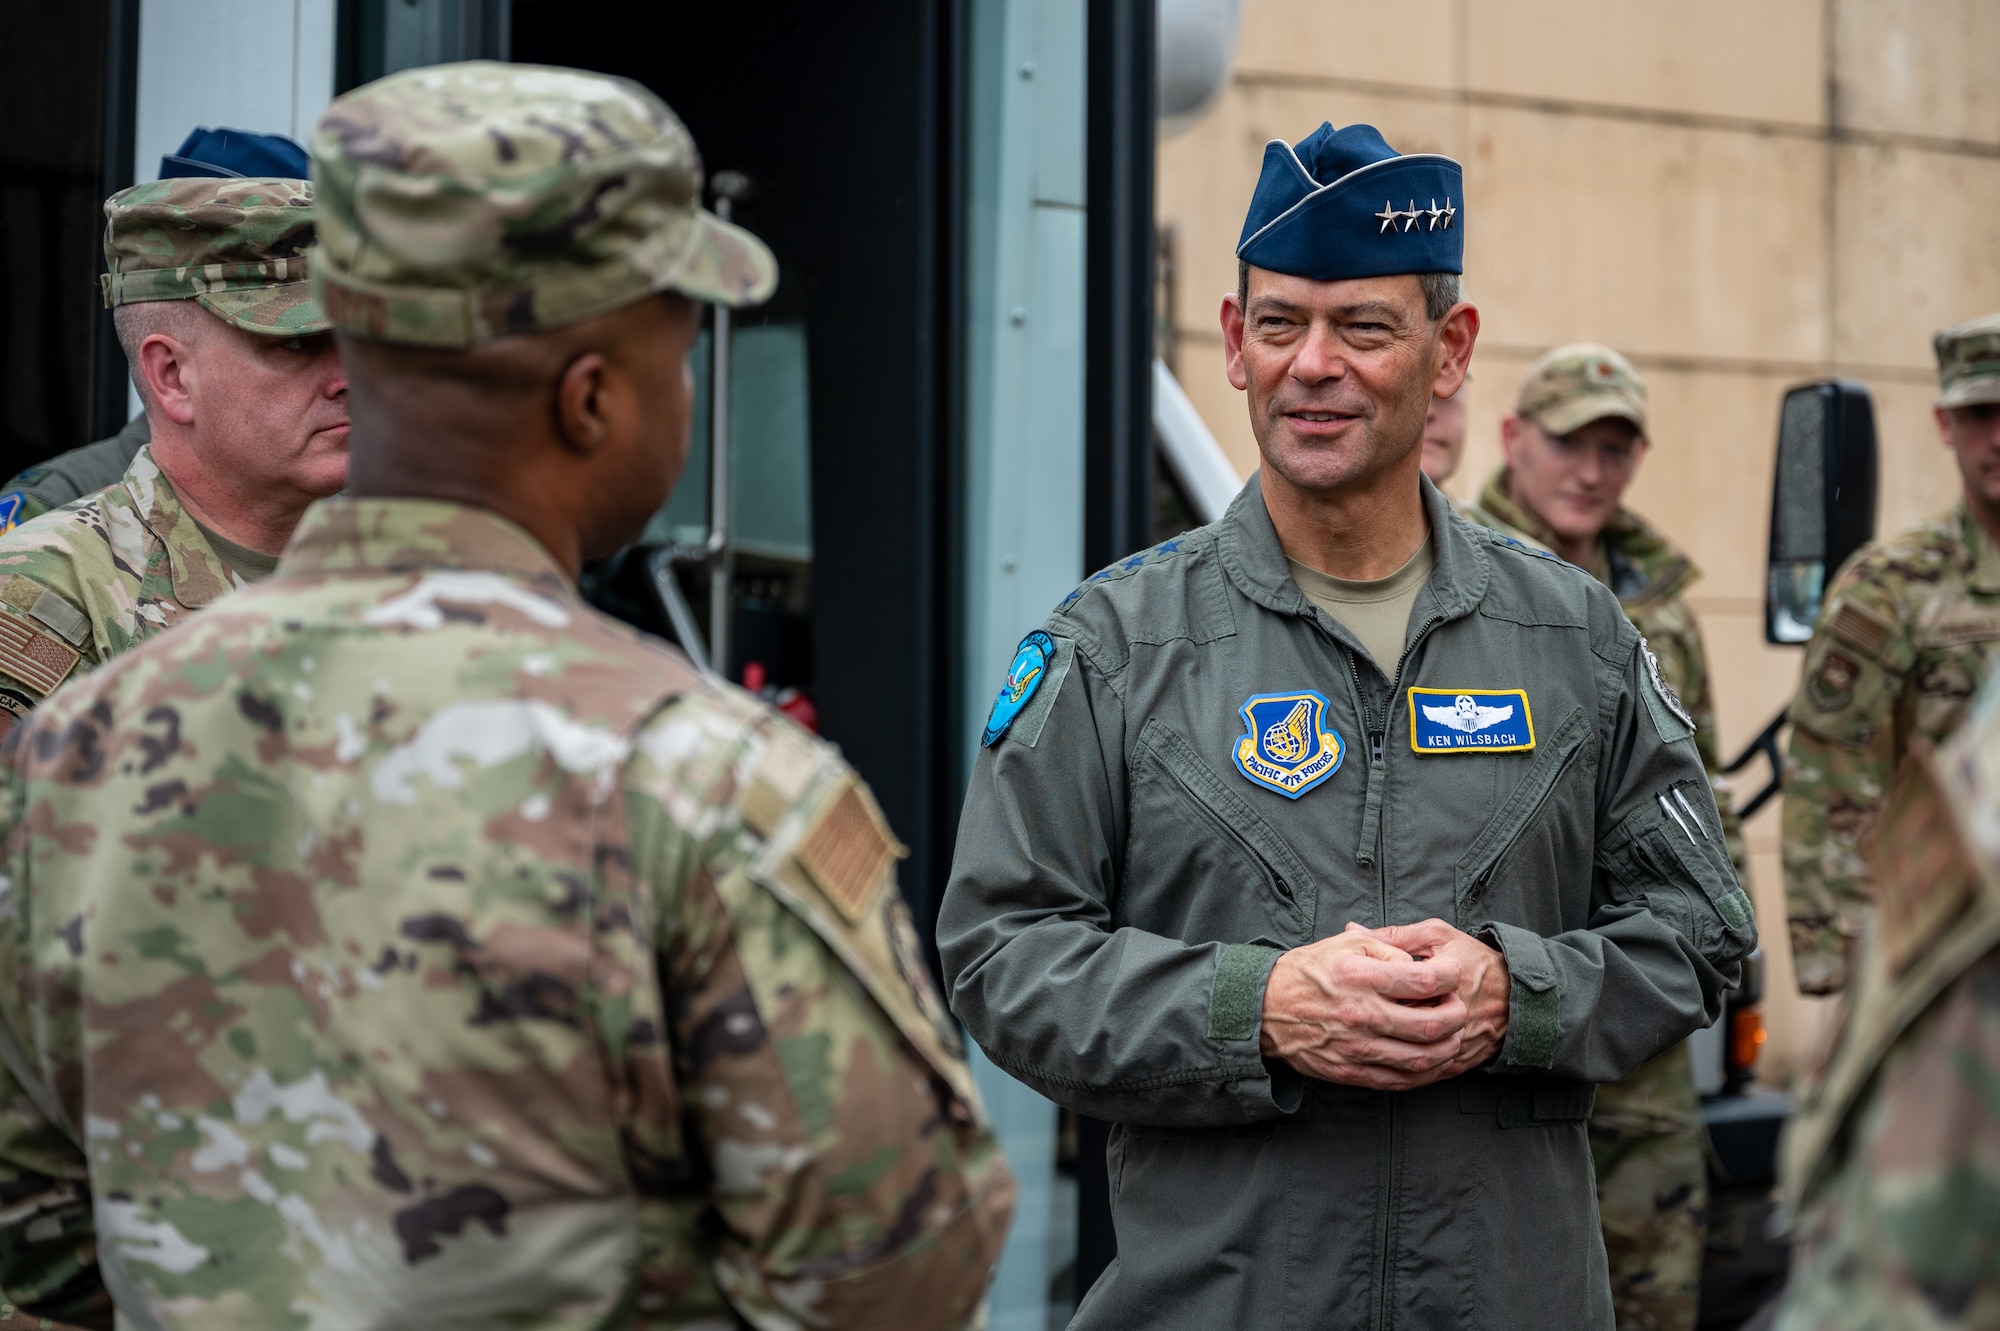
(1343, 204)
(236, 152)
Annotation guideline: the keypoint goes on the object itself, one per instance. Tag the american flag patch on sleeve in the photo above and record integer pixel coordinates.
(37, 659)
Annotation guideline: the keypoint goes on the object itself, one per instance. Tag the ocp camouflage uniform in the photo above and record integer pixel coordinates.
(401, 942)
(1646, 1132)
(72, 475)
(1902, 642)
(82, 584)
(458, 949)
(1891, 1166)
(1901, 645)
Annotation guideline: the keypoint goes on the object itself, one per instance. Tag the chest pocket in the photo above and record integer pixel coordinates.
(1505, 873)
(1951, 660)
(1190, 832)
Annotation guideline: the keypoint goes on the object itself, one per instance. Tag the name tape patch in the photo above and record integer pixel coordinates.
(1286, 745)
(1470, 721)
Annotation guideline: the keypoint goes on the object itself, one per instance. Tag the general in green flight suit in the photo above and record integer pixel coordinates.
(1336, 850)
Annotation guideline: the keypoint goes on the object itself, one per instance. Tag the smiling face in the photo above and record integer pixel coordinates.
(1339, 375)
(1572, 482)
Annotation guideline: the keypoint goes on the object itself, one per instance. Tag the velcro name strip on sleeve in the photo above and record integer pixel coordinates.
(25, 594)
(34, 657)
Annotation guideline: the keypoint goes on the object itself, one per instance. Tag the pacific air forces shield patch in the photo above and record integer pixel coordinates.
(1286, 745)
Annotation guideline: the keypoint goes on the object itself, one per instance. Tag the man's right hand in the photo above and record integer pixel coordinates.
(1352, 1009)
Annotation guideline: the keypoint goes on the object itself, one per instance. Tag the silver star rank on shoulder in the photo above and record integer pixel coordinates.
(1388, 215)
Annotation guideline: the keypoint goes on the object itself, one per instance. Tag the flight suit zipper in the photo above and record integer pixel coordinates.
(1372, 820)
(1368, 845)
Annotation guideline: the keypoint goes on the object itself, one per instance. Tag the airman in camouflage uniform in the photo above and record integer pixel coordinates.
(1646, 1131)
(401, 942)
(1902, 642)
(82, 584)
(1891, 1166)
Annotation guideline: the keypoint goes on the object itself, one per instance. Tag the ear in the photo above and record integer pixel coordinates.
(1456, 335)
(1232, 341)
(1510, 439)
(583, 403)
(166, 366)
(1943, 415)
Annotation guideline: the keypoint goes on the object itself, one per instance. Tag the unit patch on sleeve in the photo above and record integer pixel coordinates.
(1286, 745)
(11, 505)
(1470, 721)
(1027, 673)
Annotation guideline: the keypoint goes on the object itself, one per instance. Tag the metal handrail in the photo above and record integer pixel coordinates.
(1766, 743)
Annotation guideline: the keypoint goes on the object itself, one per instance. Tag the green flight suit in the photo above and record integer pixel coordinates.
(1122, 886)
(81, 471)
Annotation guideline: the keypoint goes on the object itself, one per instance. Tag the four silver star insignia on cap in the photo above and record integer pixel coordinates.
(1440, 218)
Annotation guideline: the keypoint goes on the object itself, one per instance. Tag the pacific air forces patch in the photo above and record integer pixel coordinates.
(1286, 744)
(1470, 721)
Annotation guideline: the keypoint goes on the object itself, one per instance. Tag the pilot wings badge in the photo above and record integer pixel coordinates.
(1470, 720)
(1286, 745)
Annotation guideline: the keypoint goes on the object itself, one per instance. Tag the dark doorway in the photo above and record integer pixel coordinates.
(845, 118)
(65, 96)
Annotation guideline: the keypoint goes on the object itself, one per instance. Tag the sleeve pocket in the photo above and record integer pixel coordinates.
(1845, 695)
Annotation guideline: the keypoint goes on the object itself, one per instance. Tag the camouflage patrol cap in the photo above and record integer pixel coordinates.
(236, 245)
(1573, 385)
(1968, 357)
(462, 203)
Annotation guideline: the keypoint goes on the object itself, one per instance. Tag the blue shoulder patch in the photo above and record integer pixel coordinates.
(11, 504)
(1125, 568)
(1030, 666)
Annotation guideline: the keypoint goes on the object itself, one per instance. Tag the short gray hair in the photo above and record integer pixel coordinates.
(181, 319)
(1441, 291)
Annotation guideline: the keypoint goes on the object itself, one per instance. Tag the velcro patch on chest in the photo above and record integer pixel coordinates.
(1286, 744)
(36, 658)
(1962, 627)
(1470, 721)
(849, 850)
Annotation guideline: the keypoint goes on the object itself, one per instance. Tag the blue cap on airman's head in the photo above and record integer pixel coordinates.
(1343, 203)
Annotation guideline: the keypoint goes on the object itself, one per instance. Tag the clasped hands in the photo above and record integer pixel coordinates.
(1391, 1009)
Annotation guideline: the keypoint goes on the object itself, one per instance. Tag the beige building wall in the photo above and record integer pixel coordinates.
(1738, 196)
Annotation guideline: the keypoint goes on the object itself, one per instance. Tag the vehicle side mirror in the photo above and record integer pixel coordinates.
(1822, 500)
